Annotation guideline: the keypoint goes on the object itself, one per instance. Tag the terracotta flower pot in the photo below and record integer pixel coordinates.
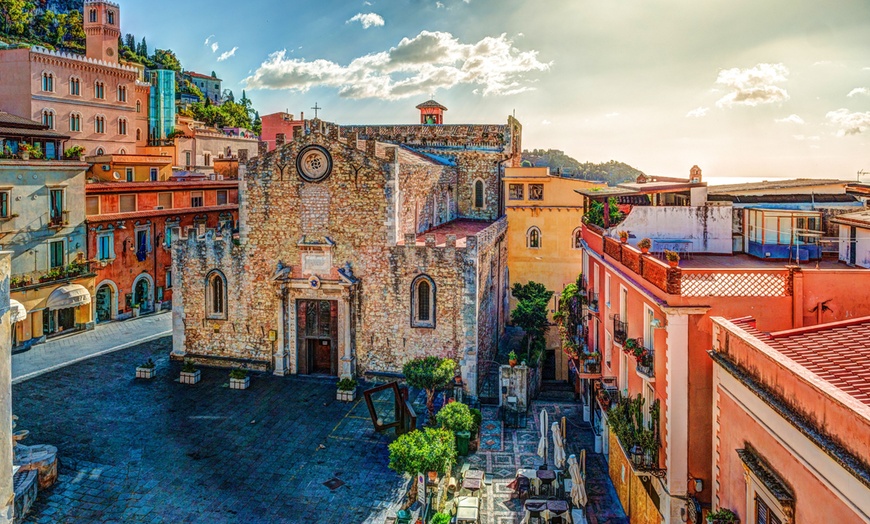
(433, 476)
(623, 240)
(512, 363)
(673, 263)
(644, 250)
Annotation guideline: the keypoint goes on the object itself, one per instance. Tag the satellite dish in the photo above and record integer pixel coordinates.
(116, 175)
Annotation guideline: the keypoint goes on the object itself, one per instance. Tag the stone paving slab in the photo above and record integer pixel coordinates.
(159, 451)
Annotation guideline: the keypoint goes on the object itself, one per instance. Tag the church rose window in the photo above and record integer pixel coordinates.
(314, 164)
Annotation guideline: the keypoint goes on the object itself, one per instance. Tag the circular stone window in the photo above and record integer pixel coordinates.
(110, 52)
(314, 163)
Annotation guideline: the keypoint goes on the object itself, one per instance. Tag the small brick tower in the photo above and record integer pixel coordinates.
(431, 112)
(102, 29)
(695, 175)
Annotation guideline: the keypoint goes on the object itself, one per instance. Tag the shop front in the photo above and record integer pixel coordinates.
(51, 309)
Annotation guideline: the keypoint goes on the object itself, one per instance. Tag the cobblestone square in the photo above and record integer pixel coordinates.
(159, 451)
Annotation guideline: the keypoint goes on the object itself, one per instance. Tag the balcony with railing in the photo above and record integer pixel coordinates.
(646, 364)
(592, 302)
(58, 219)
(35, 279)
(620, 330)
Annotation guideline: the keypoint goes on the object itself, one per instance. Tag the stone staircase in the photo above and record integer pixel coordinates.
(556, 391)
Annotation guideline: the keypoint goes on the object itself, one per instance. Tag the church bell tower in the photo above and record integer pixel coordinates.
(102, 29)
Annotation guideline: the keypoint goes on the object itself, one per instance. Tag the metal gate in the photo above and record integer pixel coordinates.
(489, 390)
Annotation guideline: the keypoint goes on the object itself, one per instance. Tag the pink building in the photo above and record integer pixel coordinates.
(96, 100)
(791, 422)
(279, 123)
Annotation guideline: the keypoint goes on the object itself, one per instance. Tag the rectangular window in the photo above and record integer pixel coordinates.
(143, 243)
(169, 280)
(196, 199)
(127, 203)
(606, 298)
(129, 173)
(153, 174)
(106, 246)
(648, 329)
(4, 204)
(167, 237)
(55, 254)
(187, 158)
(221, 197)
(763, 514)
(92, 205)
(164, 200)
(56, 205)
(536, 191)
(515, 191)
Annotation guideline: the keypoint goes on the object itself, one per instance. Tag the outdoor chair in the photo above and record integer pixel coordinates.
(522, 488)
(558, 510)
(535, 509)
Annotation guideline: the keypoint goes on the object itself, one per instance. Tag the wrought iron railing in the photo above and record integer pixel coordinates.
(592, 302)
(59, 219)
(646, 363)
(620, 330)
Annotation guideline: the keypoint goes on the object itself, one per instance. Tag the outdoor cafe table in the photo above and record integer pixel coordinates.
(532, 475)
(467, 510)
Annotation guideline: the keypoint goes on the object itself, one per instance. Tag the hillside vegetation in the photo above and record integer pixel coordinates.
(612, 172)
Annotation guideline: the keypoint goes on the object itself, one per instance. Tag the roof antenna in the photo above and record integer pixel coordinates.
(862, 172)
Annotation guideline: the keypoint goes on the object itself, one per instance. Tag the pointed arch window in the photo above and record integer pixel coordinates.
(99, 90)
(47, 82)
(533, 238)
(75, 122)
(92, 15)
(577, 238)
(478, 193)
(122, 93)
(423, 302)
(216, 296)
(138, 106)
(48, 118)
(75, 86)
(110, 16)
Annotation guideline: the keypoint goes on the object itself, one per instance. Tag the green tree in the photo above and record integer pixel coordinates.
(71, 25)
(257, 124)
(130, 41)
(429, 374)
(166, 59)
(455, 417)
(595, 214)
(530, 314)
(16, 15)
(419, 452)
(142, 48)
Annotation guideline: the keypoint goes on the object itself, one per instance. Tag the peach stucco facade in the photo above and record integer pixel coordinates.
(806, 433)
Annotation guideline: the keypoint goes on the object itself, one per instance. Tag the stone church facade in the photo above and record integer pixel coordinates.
(359, 248)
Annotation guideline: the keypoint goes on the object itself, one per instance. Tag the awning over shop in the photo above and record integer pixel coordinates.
(69, 295)
(17, 311)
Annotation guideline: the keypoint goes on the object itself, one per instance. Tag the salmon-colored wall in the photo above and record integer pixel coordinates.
(15, 87)
(814, 502)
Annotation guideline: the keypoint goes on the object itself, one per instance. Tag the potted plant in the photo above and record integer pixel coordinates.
(239, 379)
(75, 153)
(673, 257)
(512, 358)
(440, 518)
(456, 417)
(644, 244)
(25, 150)
(422, 451)
(623, 236)
(189, 373)
(135, 309)
(346, 390)
(722, 516)
(146, 370)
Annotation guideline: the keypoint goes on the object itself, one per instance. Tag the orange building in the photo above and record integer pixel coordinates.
(791, 421)
(651, 323)
(98, 101)
(130, 232)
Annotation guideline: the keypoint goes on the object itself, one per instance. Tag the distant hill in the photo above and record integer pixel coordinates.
(612, 172)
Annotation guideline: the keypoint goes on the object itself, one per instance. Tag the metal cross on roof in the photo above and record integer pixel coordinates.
(316, 109)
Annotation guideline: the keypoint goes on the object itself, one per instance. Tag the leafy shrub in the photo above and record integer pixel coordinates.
(188, 367)
(239, 374)
(421, 451)
(455, 417)
(346, 384)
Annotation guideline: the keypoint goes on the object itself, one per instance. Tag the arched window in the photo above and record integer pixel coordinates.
(122, 126)
(138, 106)
(111, 17)
(577, 238)
(100, 151)
(99, 90)
(122, 93)
(100, 124)
(122, 151)
(48, 118)
(75, 86)
(138, 134)
(47, 82)
(423, 302)
(75, 122)
(216, 296)
(533, 238)
(478, 193)
(92, 15)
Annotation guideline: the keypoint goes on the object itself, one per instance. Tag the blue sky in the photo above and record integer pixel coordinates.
(779, 88)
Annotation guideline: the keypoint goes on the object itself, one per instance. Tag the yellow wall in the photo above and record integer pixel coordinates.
(141, 172)
(556, 263)
(635, 501)
(34, 301)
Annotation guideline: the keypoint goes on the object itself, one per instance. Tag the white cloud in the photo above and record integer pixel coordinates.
(207, 40)
(367, 3)
(439, 5)
(698, 112)
(545, 122)
(859, 91)
(416, 66)
(214, 47)
(367, 20)
(790, 119)
(849, 123)
(753, 86)
(227, 54)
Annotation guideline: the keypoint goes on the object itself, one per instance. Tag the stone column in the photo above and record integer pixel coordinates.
(7, 494)
(344, 323)
(281, 355)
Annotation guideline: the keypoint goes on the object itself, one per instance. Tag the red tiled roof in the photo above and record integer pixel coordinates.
(461, 228)
(200, 75)
(836, 352)
(161, 213)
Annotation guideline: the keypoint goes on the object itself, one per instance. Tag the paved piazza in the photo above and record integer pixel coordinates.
(159, 451)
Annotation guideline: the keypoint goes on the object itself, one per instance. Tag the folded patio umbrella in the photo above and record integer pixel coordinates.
(558, 446)
(542, 444)
(578, 488)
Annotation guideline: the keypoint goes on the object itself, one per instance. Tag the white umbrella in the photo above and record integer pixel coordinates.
(578, 488)
(558, 446)
(542, 444)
